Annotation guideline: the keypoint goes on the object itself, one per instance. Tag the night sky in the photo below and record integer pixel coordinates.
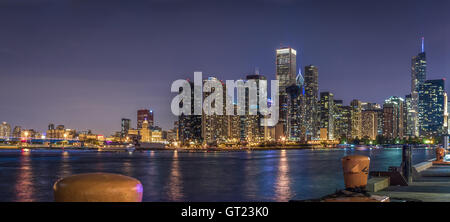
(87, 64)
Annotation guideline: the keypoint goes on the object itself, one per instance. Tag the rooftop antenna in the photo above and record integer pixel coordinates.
(423, 44)
(257, 70)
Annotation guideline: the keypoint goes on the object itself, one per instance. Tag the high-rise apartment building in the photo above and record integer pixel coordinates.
(5, 130)
(393, 117)
(326, 113)
(311, 96)
(342, 120)
(356, 119)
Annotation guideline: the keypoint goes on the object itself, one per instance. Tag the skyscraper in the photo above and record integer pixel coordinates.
(190, 126)
(342, 120)
(356, 119)
(431, 107)
(253, 129)
(326, 113)
(393, 117)
(144, 114)
(311, 105)
(214, 126)
(296, 109)
(286, 68)
(124, 127)
(418, 77)
(5, 130)
(369, 124)
(410, 117)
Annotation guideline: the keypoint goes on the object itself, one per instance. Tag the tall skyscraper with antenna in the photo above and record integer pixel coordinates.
(418, 77)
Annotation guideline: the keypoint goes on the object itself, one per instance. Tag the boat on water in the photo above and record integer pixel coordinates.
(362, 147)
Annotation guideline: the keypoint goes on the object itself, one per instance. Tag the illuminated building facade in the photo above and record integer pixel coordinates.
(326, 114)
(214, 127)
(418, 77)
(431, 107)
(393, 117)
(124, 127)
(342, 120)
(144, 114)
(296, 110)
(5, 130)
(311, 85)
(369, 127)
(286, 68)
(356, 119)
(190, 126)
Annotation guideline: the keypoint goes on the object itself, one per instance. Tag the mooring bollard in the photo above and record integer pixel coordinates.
(356, 171)
(440, 153)
(98, 187)
(407, 163)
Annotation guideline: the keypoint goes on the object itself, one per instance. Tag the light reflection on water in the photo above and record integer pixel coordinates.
(272, 175)
(175, 180)
(283, 183)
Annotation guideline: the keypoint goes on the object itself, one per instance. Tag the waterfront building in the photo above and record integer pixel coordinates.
(370, 106)
(311, 86)
(214, 127)
(342, 120)
(296, 110)
(235, 124)
(5, 131)
(369, 127)
(286, 68)
(17, 132)
(448, 119)
(410, 117)
(29, 133)
(326, 114)
(418, 77)
(356, 123)
(393, 117)
(144, 114)
(60, 132)
(124, 127)
(190, 126)
(431, 107)
(253, 128)
(446, 114)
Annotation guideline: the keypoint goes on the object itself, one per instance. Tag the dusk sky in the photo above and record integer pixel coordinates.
(87, 64)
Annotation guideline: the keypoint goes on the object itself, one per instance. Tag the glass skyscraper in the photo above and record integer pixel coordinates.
(286, 62)
(418, 77)
(431, 107)
(311, 105)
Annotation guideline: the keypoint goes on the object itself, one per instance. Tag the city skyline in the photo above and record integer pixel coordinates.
(97, 94)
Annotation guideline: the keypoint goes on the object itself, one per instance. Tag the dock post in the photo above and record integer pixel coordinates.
(407, 163)
(356, 171)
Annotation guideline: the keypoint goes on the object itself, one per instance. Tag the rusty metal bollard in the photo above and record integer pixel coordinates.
(356, 171)
(98, 187)
(440, 153)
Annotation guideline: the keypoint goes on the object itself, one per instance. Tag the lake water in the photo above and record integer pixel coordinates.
(271, 175)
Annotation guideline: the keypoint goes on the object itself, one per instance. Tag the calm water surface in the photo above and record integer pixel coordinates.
(278, 175)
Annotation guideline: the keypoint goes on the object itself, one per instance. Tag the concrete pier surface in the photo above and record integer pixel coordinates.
(431, 183)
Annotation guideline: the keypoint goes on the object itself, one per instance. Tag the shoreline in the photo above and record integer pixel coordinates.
(244, 149)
